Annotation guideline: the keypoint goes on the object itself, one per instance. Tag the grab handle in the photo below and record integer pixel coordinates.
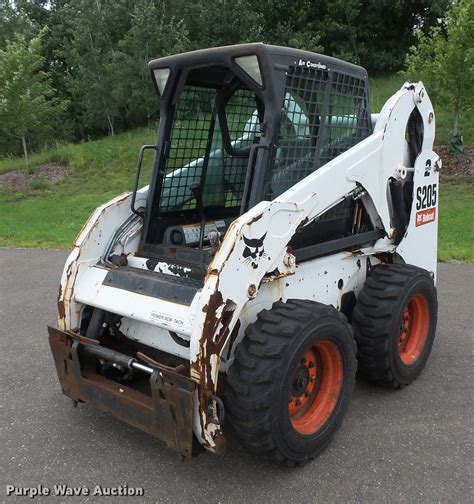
(138, 169)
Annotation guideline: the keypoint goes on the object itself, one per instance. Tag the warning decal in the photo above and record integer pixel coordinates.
(425, 217)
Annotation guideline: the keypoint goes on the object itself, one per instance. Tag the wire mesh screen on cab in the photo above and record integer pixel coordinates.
(197, 154)
(323, 114)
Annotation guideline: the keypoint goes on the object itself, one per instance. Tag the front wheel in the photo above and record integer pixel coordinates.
(291, 380)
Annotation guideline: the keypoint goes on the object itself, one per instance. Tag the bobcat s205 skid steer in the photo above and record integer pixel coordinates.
(286, 238)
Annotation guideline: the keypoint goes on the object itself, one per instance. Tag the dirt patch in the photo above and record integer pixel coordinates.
(19, 180)
(458, 165)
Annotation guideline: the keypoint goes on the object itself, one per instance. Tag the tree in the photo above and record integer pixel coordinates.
(152, 34)
(445, 59)
(9, 21)
(95, 52)
(212, 23)
(374, 33)
(385, 30)
(292, 24)
(27, 99)
(91, 33)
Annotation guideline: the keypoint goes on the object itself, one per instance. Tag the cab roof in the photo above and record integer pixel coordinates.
(267, 54)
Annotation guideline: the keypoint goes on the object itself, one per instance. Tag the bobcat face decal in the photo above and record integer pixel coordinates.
(254, 250)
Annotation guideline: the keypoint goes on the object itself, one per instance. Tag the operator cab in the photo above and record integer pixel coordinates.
(239, 125)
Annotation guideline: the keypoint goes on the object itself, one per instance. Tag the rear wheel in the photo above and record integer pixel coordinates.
(395, 323)
(291, 380)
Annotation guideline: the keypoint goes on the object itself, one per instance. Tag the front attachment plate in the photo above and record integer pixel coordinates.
(166, 414)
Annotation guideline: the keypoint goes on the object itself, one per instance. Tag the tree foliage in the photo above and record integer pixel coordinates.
(445, 59)
(95, 52)
(27, 102)
(152, 33)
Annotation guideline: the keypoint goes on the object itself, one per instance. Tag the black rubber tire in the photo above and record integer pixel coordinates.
(258, 381)
(376, 321)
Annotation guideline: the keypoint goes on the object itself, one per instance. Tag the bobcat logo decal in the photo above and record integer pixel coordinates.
(254, 250)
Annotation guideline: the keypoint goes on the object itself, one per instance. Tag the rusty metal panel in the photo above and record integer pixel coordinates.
(167, 414)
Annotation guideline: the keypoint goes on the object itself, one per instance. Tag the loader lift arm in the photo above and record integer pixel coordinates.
(367, 167)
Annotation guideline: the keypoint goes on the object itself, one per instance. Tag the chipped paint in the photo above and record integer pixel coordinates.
(255, 219)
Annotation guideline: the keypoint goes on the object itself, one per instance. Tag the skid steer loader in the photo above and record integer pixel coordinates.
(286, 238)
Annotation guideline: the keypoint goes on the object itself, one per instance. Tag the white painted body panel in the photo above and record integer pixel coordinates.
(316, 280)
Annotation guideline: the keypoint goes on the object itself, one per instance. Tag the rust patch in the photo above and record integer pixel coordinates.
(271, 275)
(211, 322)
(255, 219)
(302, 223)
(60, 302)
(213, 271)
(210, 346)
(220, 445)
(83, 339)
(166, 412)
(123, 198)
(227, 313)
(180, 369)
(275, 275)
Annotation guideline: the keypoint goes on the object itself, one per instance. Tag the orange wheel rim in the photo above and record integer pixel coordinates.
(414, 329)
(315, 387)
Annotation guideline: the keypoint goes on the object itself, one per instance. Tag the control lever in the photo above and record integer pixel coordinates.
(196, 190)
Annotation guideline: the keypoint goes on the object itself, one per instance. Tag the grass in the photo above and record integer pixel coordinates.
(52, 215)
(456, 214)
(37, 184)
(116, 153)
(382, 88)
(8, 164)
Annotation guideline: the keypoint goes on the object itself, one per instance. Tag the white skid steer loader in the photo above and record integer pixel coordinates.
(286, 238)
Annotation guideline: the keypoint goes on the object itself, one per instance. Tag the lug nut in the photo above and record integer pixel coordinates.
(303, 361)
(311, 364)
(312, 379)
(298, 402)
(289, 400)
(306, 393)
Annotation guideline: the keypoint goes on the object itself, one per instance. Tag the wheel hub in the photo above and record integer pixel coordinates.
(315, 387)
(405, 328)
(414, 327)
(300, 381)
